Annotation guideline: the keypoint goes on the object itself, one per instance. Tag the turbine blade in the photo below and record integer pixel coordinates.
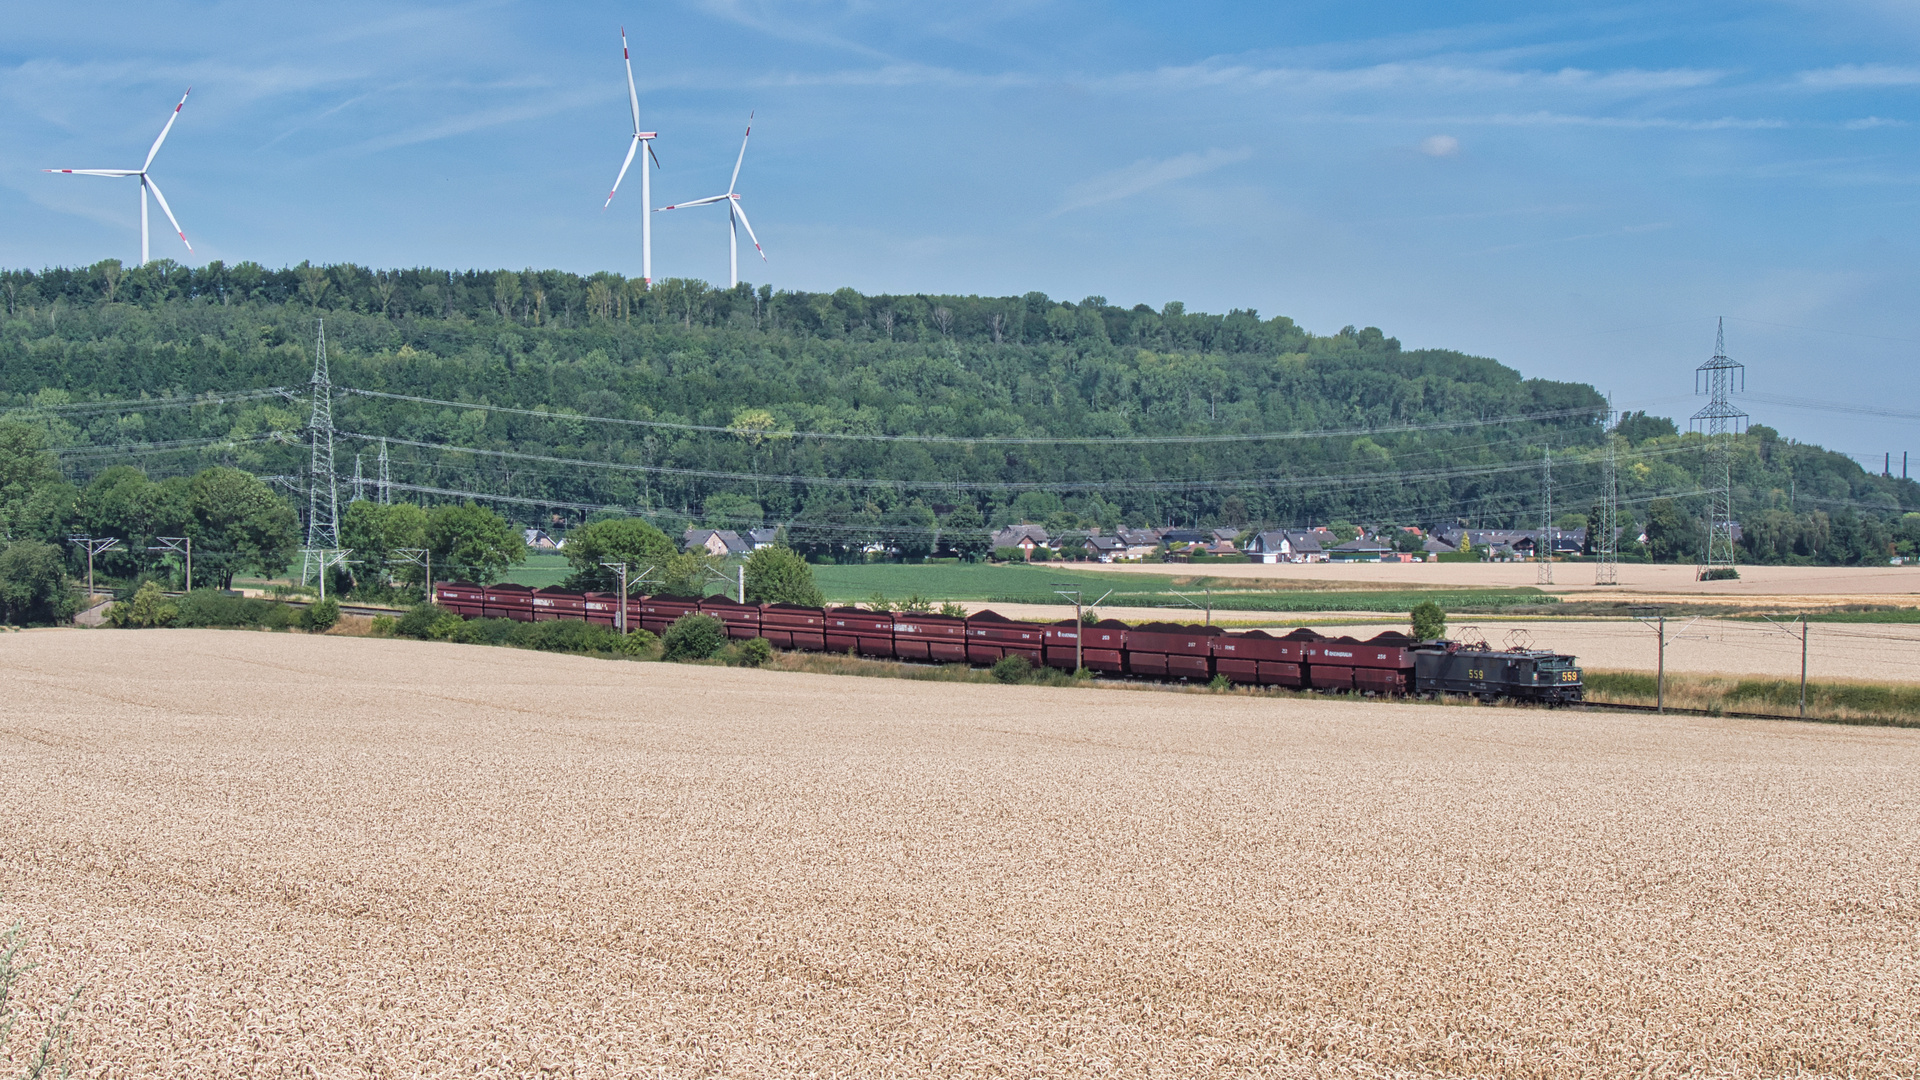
(743, 155)
(168, 209)
(171, 117)
(698, 202)
(654, 156)
(742, 211)
(96, 172)
(631, 147)
(632, 97)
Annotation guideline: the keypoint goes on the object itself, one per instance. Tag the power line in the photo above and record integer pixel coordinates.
(69, 452)
(78, 408)
(996, 440)
(977, 485)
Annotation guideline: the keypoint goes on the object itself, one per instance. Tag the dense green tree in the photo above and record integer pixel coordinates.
(472, 543)
(238, 523)
(965, 533)
(1672, 535)
(630, 540)
(376, 533)
(1429, 621)
(778, 575)
(33, 583)
(35, 500)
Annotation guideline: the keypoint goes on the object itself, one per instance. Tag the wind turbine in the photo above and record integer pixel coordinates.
(646, 188)
(736, 214)
(146, 182)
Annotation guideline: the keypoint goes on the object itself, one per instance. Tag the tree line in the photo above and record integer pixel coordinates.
(1378, 434)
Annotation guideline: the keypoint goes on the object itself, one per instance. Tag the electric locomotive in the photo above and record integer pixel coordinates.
(1473, 668)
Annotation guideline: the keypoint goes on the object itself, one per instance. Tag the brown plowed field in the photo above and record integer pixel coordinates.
(274, 855)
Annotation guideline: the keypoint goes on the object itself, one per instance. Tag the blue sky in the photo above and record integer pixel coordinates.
(1577, 190)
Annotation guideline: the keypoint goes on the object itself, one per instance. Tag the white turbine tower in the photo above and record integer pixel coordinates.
(736, 213)
(146, 182)
(646, 188)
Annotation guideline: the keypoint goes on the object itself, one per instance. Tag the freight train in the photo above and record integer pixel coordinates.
(1390, 663)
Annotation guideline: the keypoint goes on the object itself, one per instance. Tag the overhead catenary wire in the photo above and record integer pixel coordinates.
(995, 440)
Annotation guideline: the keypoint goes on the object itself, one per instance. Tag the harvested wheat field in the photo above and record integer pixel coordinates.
(276, 855)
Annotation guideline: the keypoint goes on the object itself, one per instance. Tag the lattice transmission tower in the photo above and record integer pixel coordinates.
(1720, 421)
(359, 482)
(1544, 550)
(323, 486)
(1606, 546)
(385, 483)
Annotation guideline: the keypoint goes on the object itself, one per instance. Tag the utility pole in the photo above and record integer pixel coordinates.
(1660, 678)
(385, 484)
(178, 543)
(94, 547)
(1546, 518)
(1079, 621)
(1720, 421)
(1803, 665)
(620, 613)
(422, 557)
(1606, 546)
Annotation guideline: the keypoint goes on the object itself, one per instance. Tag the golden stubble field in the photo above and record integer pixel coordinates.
(275, 855)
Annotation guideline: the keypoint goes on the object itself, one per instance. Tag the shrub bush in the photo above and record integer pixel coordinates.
(1720, 573)
(639, 642)
(215, 607)
(1429, 621)
(755, 652)
(320, 615)
(1013, 669)
(383, 625)
(694, 637)
(146, 608)
(419, 619)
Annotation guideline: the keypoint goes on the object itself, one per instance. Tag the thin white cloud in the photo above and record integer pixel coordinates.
(1440, 146)
(1852, 76)
(479, 120)
(1145, 175)
(1415, 76)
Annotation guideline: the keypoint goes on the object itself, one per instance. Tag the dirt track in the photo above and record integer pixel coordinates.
(269, 853)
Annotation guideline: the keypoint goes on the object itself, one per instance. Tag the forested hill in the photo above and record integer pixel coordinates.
(1184, 417)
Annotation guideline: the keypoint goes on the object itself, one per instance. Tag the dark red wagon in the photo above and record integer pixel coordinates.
(941, 639)
(1259, 658)
(743, 620)
(463, 598)
(869, 633)
(992, 636)
(1171, 650)
(787, 626)
(659, 612)
(555, 603)
(509, 602)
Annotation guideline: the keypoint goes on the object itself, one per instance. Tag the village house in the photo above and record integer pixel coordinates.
(1024, 537)
(719, 543)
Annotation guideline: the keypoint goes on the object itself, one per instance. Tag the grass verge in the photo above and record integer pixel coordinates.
(1879, 704)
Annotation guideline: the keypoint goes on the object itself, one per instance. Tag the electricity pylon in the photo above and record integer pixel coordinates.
(1720, 421)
